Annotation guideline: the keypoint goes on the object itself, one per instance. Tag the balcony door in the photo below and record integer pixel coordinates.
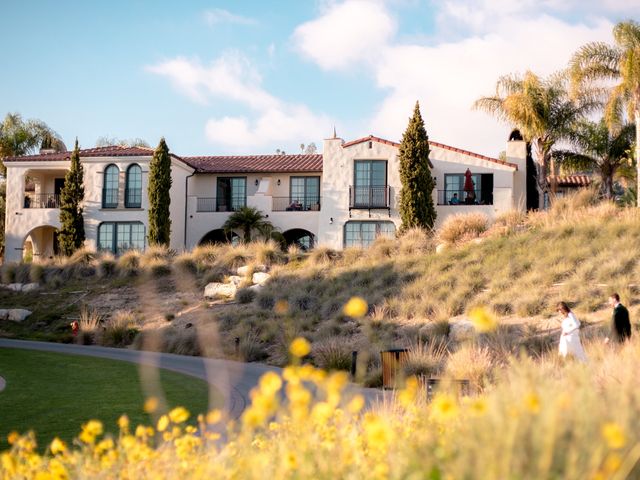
(370, 182)
(305, 191)
(58, 184)
(231, 194)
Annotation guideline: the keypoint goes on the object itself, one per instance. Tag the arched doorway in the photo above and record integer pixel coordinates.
(219, 236)
(304, 239)
(40, 244)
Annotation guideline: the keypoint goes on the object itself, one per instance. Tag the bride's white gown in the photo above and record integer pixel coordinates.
(570, 342)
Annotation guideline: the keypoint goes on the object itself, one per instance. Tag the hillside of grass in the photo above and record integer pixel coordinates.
(417, 287)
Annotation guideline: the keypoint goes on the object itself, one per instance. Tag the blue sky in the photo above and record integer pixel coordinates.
(218, 77)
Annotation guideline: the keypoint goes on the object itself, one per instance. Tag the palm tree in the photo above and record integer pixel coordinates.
(20, 137)
(541, 110)
(597, 148)
(599, 61)
(248, 219)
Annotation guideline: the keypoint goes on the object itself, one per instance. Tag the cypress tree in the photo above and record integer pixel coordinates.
(71, 236)
(159, 196)
(416, 203)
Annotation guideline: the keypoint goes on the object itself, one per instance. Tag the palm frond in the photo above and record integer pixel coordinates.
(572, 162)
(594, 61)
(627, 34)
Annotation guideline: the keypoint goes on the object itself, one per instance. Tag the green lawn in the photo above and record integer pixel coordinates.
(53, 394)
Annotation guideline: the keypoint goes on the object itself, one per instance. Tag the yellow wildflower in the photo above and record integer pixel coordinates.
(483, 320)
(300, 347)
(214, 416)
(292, 462)
(444, 407)
(123, 423)
(356, 404)
(612, 463)
(13, 437)
(163, 423)
(90, 431)
(271, 382)
(151, 405)
(57, 446)
(104, 445)
(614, 435)
(532, 402)
(141, 431)
(356, 307)
(478, 406)
(409, 394)
(281, 307)
(377, 432)
(179, 415)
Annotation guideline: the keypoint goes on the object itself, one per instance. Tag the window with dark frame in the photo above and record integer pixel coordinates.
(370, 183)
(119, 237)
(364, 233)
(454, 189)
(133, 187)
(304, 192)
(110, 187)
(231, 194)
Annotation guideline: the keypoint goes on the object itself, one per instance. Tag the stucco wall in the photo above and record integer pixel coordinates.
(20, 221)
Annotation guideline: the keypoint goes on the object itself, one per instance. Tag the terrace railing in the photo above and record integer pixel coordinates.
(42, 200)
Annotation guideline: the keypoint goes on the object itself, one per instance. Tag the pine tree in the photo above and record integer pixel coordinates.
(71, 236)
(159, 196)
(416, 202)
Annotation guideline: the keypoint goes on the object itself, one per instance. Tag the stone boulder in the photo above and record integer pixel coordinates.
(16, 287)
(441, 247)
(4, 313)
(30, 287)
(18, 314)
(244, 271)
(260, 278)
(236, 280)
(461, 330)
(220, 290)
(256, 288)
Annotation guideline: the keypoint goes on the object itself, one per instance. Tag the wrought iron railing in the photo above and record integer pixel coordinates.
(42, 200)
(462, 197)
(214, 204)
(369, 197)
(308, 203)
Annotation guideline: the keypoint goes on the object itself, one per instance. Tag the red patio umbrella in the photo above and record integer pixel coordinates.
(469, 186)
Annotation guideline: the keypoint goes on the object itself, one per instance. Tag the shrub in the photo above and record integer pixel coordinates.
(462, 227)
(36, 273)
(9, 273)
(23, 272)
(82, 256)
(245, 295)
(129, 263)
(471, 363)
(334, 353)
(322, 255)
(267, 253)
(89, 324)
(265, 300)
(425, 360)
(120, 329)
(252, 348)
(106, 266)
(185, 263)
(159, 267)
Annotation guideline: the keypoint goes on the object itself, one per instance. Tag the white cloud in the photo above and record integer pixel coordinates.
(216, 16)
(272, 122)
(480, 41)
(231, 76)
(345, 33)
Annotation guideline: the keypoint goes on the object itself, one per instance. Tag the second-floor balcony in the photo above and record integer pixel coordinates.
(296, 204)
(461, 197)
(213, 204)
(42, 200)
(369, 198)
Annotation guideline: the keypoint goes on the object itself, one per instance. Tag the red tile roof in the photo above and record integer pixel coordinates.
(256, 163)
(372, 138)
(110, 151)
(572, 180)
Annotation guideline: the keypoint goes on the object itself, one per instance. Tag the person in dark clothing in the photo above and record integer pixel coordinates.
(621, 326)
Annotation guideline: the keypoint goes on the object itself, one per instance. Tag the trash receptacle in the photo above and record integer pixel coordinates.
(392, 362)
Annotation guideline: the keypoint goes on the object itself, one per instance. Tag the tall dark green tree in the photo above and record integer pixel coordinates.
(159, 196)
(416, 201)
(71, 236)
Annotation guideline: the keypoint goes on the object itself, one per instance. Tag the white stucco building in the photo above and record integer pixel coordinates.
(348, 195)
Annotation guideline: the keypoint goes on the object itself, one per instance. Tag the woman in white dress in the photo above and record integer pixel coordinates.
(570, 337)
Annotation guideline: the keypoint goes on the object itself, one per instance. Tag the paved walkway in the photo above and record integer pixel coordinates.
(234, 380)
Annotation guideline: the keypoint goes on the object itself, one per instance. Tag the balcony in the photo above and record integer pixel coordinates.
(42, 200)
(369, 198)
(212, 204)
(299, 204)
(462, 198)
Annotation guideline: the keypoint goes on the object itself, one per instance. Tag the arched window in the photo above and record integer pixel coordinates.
(133, 187)
(110, 187)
